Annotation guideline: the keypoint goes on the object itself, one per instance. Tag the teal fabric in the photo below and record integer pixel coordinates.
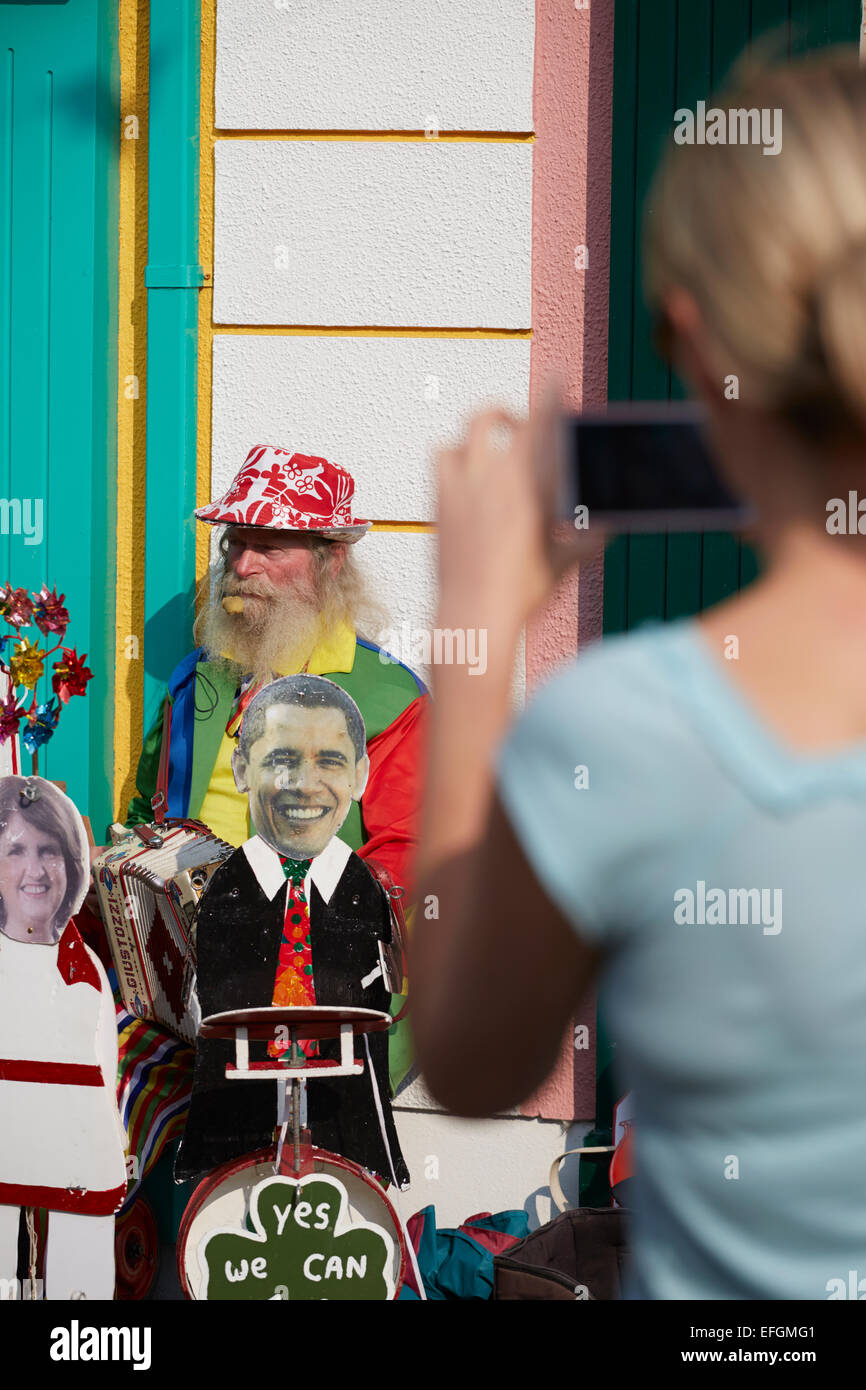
(744, 1039)
(452, 1264)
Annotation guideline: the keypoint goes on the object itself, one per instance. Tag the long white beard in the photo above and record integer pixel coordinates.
(273, 635)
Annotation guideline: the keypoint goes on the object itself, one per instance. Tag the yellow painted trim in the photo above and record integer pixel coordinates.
(317, 331)
(484, 136)
(133, 35)
(411, 527)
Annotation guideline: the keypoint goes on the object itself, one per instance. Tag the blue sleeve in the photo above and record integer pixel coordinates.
(547, 780)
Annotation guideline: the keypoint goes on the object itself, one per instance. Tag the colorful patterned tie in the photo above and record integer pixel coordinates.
(294, 985)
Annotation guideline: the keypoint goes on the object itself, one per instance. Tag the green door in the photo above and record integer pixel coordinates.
(59, 145)
(670, 54)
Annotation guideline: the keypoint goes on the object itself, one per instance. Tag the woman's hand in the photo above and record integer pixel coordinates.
(500, 555)
(502, 548)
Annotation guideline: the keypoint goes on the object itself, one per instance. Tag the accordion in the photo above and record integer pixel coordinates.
(149, 883)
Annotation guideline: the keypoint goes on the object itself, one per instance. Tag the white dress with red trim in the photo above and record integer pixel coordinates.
(61, 1137)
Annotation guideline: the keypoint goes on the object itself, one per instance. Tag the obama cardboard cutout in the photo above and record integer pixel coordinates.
(293, 917)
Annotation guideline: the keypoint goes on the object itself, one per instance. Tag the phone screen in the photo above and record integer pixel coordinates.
(642, 466)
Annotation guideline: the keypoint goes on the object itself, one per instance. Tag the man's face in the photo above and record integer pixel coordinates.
(263, 564)
(301, 777)
(284, 588)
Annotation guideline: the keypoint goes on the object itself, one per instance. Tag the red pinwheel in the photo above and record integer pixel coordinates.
(70, 675)
(49, 615)
(11, 715)
(15, 606)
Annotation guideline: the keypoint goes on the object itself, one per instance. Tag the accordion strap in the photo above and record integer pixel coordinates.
(399, 933)
(159, 800)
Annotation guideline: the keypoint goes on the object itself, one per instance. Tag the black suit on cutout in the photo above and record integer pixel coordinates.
(238, 936)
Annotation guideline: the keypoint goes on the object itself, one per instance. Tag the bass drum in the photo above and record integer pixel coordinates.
(223, 1201)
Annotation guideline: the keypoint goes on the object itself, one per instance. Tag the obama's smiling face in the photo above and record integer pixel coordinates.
(301, 775)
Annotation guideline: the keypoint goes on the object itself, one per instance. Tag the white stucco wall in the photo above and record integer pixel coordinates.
(374, 64)
(401, 569)
(378, 406)
(338, 233)
(464, 1167)
(382, 233)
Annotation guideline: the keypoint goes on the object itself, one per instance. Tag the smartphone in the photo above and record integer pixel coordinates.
(645, 466)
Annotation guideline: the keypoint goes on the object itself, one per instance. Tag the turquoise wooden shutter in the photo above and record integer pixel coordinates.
(59, 146)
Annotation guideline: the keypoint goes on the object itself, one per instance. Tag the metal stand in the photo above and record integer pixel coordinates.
(291, 1105)
(312, 1022)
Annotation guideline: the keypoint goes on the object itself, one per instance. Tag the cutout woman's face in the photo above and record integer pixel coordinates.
(32, 879)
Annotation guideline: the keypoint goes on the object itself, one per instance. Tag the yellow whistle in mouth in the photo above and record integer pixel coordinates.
(233, 604)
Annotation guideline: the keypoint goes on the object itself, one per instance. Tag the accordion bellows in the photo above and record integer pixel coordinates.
(149, 893)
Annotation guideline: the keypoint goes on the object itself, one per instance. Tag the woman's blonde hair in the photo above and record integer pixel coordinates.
(773, 247)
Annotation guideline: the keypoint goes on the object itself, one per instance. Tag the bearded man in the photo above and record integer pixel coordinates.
(286, 596)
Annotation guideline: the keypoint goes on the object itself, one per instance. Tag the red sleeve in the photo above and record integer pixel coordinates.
(391, 804)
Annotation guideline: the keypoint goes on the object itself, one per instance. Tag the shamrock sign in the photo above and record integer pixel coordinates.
(301, 1246)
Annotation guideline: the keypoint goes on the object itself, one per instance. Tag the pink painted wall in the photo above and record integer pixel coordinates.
(573, 96)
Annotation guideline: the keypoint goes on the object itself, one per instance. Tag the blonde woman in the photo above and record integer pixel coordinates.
(742, 1029)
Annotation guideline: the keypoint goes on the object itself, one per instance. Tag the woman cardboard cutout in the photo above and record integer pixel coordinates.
(61, 1138)
(294, 917)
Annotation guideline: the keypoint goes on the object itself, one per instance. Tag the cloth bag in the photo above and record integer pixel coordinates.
(578, 1255)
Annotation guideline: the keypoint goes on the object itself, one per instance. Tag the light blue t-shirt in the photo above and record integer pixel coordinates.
(739, 1017)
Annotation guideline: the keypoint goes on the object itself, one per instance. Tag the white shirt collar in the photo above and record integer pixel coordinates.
(325, 871)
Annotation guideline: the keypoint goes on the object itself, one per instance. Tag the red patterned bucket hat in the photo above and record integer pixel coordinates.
(289, 492)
